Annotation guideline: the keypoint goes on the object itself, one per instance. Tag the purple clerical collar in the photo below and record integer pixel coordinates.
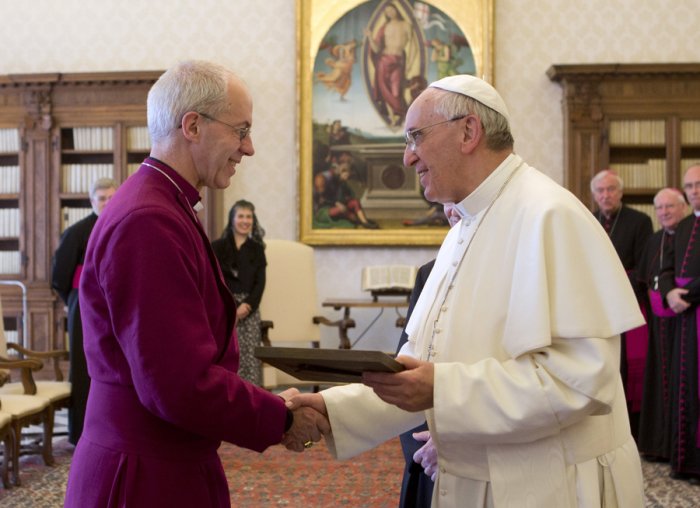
(179, 182)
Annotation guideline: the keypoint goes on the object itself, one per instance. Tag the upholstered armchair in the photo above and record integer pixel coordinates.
(289, 306)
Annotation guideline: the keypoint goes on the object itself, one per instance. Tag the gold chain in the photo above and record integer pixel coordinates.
(454, 276)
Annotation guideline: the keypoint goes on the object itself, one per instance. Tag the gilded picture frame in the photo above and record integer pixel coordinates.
(360, 63)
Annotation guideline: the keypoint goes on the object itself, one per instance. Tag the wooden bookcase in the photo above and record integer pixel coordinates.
(44, 110)
(642, 120)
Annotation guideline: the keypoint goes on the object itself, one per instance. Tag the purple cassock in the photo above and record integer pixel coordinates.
(162, 353)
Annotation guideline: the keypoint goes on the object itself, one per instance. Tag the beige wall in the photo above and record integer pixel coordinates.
(256, 37)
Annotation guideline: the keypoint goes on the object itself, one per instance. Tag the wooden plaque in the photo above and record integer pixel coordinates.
(327, 365)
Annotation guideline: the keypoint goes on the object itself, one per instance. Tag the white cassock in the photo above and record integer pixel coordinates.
(529, 409)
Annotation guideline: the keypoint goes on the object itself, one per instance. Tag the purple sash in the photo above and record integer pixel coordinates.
(636, 341)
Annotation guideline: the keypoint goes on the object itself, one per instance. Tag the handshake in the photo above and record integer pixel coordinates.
(310, 419)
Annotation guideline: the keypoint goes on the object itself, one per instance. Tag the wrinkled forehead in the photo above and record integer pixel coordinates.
(692, 175)
(421, 111)
(607, 181)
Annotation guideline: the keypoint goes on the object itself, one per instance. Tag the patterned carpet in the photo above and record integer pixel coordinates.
(311, 479)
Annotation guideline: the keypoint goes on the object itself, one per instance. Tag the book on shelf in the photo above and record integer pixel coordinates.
(10, 262)
(93, 139)
(73, 215)
(648, 175)
(77, 178)
(9, 179)
(9, 140)
(137, 138)
(688, 163)
(690, 132)
(637, 132)
(132, 168)
(383, 277)
(12, 336)
(9, 223)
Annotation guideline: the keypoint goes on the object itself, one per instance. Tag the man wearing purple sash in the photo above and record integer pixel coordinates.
(158, 320)
(679, 285)
(629, 230)
(655, 423)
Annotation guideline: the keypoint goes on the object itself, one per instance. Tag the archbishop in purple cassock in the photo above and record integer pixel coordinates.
(159, 326)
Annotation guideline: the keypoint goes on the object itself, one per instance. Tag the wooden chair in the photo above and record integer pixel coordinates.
(289, 306)
(6, 437)
(25, 410)
(31, 402)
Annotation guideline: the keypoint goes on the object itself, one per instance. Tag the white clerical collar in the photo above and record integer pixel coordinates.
(475, 202)
(697, 213)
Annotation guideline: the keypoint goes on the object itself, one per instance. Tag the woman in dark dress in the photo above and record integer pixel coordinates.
(241, 254)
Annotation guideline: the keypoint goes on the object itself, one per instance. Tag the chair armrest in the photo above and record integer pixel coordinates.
(61, 354)
(27, 366)
(56, 355)
(342, 325)
(265, 331)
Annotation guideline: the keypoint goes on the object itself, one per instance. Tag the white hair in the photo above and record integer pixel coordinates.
(675, 192)
(606, 172)
(102, 184)
(496, 129)
(189, 86)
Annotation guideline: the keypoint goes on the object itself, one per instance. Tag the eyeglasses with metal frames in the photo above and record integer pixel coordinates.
(242, 133)
(411, 136)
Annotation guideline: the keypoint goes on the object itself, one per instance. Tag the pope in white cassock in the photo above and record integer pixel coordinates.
(514, 344)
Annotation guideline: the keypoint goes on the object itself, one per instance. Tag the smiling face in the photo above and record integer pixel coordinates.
(220, 148)
(669, 209)
(437, 156)
(608, 194)
(243, 221)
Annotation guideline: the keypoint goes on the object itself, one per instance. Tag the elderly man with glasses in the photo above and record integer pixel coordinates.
(159, 321)
(514, 343)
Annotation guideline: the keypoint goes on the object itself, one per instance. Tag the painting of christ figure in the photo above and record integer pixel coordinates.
(367, 67)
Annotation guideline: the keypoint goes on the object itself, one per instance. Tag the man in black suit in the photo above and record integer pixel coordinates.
(629, 231)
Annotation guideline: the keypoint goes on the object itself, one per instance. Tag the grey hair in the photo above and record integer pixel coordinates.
(102, 184)
(602, 174)
(194, 85)
(678, 194)
(496, 129)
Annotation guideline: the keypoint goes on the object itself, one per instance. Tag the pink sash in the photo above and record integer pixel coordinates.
(76, 276)
(636, 342)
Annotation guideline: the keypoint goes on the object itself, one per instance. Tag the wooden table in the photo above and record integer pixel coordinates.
(348, 303)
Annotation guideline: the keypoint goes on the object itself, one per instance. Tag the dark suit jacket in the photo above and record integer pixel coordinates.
(416, 488)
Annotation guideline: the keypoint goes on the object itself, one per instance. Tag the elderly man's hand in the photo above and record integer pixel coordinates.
(426, 456)
(675, 300)
(310, 421)
(410, 390)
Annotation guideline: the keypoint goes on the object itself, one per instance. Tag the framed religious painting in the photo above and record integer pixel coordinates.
(361, 63)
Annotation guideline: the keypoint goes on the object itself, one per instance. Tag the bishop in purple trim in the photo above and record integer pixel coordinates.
(679, 285)
(629, 230)
(655, 419)
(159, 321)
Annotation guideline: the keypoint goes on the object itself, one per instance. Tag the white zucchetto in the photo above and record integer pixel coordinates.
(477, 89)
